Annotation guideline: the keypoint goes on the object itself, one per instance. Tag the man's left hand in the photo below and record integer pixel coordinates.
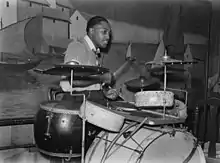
(107, 78)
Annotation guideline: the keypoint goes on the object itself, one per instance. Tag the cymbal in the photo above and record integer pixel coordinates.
(168, 61)
(169, 69)
(78, 70)
(143, 83)
(171, 77)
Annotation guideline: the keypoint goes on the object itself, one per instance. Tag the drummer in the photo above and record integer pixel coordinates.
(86, 51)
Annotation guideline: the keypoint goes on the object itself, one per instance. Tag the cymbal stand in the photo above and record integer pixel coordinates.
(165, 83)
(82, 115)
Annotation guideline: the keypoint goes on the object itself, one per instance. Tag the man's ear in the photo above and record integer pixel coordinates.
(91, 30)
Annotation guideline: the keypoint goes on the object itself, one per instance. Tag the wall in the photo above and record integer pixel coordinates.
(12, 38)
(8, 15)
(64, 9)
(26, 11)
(55, 28)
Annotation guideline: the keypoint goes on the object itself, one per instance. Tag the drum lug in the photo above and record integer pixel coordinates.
(47, 134)
(127, 134)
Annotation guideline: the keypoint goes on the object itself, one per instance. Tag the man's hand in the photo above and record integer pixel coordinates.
(107, 78)
(110, 93)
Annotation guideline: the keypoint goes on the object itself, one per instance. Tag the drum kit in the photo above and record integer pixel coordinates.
(140, 131)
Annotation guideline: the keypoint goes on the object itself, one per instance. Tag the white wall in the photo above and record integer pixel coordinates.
(8, 14)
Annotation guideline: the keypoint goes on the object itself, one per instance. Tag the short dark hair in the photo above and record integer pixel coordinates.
(94, 21)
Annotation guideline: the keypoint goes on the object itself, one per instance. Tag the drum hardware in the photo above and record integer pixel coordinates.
(163, 62)
(47, 134)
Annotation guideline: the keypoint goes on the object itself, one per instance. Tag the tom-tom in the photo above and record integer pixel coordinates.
(154, 99)
(58, 129)
(101, 116)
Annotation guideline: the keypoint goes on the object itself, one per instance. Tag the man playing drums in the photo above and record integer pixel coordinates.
(86, 51)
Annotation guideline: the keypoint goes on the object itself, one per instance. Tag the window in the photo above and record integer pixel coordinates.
(30, 4)
(54, 20)
(62, 9)
(7, 4)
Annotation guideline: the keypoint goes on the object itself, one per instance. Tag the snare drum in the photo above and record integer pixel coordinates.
(146, 145)
(154, 99)
(58, 129)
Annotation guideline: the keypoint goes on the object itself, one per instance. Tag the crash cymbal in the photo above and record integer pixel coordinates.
(169, 70)
(143, 83)
(78, 70)
(169, 61)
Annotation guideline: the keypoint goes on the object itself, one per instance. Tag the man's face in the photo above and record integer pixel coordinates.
(100, 34)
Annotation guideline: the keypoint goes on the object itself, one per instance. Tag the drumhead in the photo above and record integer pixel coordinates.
(63, 107)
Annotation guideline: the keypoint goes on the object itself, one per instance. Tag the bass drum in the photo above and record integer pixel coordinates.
(154, 145)
(58, 129)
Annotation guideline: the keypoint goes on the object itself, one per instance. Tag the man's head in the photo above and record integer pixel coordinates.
(99, 31)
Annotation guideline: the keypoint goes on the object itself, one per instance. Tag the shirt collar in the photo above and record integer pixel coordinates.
(91, 44)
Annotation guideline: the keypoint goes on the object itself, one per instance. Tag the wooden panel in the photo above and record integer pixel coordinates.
(5, 136)
(22, 134)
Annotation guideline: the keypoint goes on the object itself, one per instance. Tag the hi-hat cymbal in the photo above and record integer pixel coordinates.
(143, 83)
(168, 60)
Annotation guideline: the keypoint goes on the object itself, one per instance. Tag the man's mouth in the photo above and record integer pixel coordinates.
(105, 42)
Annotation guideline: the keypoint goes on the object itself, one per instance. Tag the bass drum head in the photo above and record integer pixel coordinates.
(145, 146)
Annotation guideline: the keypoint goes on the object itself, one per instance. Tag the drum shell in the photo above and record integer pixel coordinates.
(65, 131)
(102, 116)
(154, 99)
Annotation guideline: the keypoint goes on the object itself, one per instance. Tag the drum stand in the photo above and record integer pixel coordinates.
(82, 115)
(165, 84)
